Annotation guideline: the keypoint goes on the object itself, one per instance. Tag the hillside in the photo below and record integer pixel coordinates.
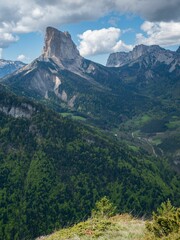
(119, 227)
(53, 170)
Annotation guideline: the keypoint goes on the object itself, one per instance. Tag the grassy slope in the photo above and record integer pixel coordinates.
(119, 227)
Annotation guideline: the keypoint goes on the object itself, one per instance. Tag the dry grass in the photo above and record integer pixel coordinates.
(120, 227)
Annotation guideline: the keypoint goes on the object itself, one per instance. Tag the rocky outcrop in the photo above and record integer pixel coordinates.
(117, 59)
(61, 49)
(23, 111)
(121, 58)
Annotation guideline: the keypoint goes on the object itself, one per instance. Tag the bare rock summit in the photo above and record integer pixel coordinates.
(60, 48)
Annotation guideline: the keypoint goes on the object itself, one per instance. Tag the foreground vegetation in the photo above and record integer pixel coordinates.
(165, 225)
(114, 228)
(103, 225)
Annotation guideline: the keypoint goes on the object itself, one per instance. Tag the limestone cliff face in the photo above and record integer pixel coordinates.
(23, 111)
(149, 55)
(121, 58)
(60, 48)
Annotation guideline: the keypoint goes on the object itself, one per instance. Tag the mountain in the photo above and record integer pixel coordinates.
(147, 55)
(61, 49)
(8, 67)
(53, 170)
(138, 100)
(150, 70)
(62, 78)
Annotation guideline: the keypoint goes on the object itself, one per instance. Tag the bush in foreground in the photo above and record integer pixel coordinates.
(165, 223)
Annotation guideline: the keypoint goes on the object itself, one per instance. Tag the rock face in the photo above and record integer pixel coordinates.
(8, 67)
(117, 59)
(150, 55)
(121, 58)
(11, 105)
(60, 47)
(24, 111)
(141, 50)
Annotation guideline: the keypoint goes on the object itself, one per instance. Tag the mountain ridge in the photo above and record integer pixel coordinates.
(9, 66)
(141, 52)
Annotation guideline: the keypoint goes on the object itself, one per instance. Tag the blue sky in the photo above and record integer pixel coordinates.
(96, 28)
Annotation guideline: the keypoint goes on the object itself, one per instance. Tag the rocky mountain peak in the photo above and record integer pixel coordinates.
(140, 50)
(59, 46)
(140, 53)
(121, 58)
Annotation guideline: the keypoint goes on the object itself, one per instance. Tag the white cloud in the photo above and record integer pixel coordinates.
(22, 57)
(101, 41)
(19, 16)
(160, 33)
(6, 39)
(152, 10)
(25, 16)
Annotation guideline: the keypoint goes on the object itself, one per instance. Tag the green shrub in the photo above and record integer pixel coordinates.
(165, 222)
(104, 208)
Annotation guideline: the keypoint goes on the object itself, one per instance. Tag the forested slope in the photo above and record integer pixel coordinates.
(53, 170)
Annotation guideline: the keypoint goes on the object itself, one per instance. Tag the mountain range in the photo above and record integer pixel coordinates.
(136, 95)
(148, 55)
(8, 67)
(73, 131)
(65, 79)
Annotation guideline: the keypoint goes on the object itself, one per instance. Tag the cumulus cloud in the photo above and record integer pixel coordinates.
(22, 57)
(160, 33)
(6, 39)
(152, 10)
(101, 41)
(19, 16)
(24, 16)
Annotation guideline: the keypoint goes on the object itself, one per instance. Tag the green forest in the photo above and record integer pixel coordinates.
(53, 170)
